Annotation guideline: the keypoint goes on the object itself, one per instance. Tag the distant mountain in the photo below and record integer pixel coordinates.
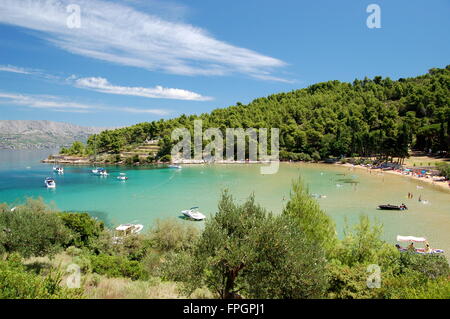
(18, 134)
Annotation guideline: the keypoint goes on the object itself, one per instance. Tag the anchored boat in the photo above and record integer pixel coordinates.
(125, 230)
(392, 207)
(193, 213)
(411, 248)
(50, 182)
(58, 169)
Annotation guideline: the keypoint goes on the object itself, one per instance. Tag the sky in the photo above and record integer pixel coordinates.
(117, 63)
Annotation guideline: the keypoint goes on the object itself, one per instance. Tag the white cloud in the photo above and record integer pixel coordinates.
(121, 34)
(100, 84)
(13, 69)
(54, 103)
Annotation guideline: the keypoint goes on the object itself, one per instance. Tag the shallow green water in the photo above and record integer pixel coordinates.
(153, 192)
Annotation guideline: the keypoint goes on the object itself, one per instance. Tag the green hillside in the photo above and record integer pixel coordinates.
(370, 117)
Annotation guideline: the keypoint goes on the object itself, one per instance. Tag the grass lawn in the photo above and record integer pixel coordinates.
(424, 160)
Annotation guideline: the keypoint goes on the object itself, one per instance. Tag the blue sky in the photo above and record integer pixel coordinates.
(141, 60)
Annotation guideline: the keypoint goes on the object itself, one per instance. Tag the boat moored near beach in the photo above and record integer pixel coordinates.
(50, 182)
(122, 177)
(125, 230)
(411, 248)
(58, 169)
(193, 213)
(392, 207)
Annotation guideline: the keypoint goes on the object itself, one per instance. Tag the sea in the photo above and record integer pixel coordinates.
(158, 192)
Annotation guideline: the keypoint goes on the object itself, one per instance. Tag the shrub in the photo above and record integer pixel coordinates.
(166, 158)
(17, 283)
(117, 266)
(246, 250)
(315, 224)
(32, 230)
(171, 234)
(85, 228)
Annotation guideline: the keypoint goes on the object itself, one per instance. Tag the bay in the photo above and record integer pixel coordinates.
(156, 192)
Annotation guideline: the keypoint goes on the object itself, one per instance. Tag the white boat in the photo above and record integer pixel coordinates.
(125, 230)
(50, 182)
(175, 166)
(413, 239)
(103, 172)
(58, 169)
(122, 177)
(193, 213)
(97, 170)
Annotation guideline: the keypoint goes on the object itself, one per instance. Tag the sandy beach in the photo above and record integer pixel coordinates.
(437, 181)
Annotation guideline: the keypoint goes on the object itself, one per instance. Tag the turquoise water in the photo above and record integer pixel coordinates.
(159, 192)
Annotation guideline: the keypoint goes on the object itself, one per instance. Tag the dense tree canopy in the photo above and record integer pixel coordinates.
(369, 117)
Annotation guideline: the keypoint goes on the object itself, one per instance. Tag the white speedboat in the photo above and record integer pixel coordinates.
(193, 213)
(58, 169)
(175, 166)
(97, 170)
(125, 230)
(102, 172)
(50, 182)
(122, 177)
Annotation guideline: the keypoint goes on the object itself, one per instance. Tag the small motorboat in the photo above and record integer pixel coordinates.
(392, 207)
(193, 213)
(318, 196)
(125, 230)
(50, 182)
(122, 177)
(175, 166)
(97, 170)
(58, 169)
(102, 172)
(411, 248)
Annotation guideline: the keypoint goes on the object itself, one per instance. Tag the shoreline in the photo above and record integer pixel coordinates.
(442, 185)
(83, 161)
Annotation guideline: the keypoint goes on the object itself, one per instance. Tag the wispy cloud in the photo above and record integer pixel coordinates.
(100, 84)
(13, 69)
(121, 34)
(54, 103)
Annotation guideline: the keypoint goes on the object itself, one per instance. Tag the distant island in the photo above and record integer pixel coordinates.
(19, 134)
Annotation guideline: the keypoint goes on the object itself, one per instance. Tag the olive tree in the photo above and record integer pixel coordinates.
(245, 251)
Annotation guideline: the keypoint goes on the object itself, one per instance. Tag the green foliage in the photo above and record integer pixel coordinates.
(347, 282)
(86, 229)
(166, 158)
(362, 245)
(315, 224)
(431, 266)
(245, 250)
(18, 283)
(32, 230)
(173, 235)
(444, 169)
(117, 266)
(378, 117)
(77, 148)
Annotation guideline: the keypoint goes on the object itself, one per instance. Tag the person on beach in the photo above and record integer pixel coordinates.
(427, 247)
